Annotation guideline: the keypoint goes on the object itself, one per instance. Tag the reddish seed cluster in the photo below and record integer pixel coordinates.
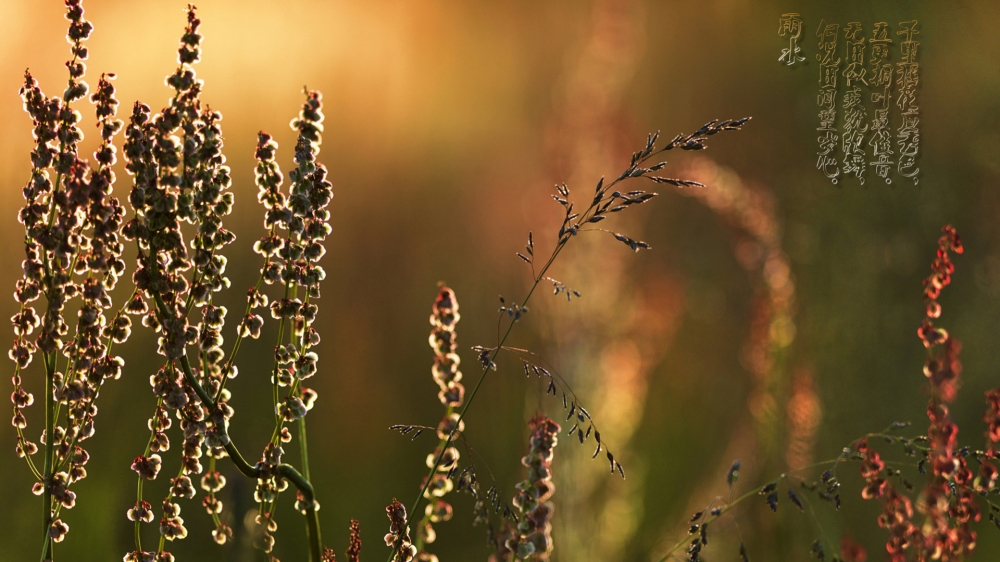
(987, 479)
(897, 510)
(942, 366)
(948, 500)
(992, 419)
(852, 551)
(940, 277)
(534, 531)
(354, 549)
(444, 318)
(398, 536)
(871, 470)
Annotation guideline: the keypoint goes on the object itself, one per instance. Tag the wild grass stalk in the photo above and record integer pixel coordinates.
(604, 201)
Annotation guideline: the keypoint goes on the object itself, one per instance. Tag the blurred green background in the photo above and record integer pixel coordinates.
(774, 324)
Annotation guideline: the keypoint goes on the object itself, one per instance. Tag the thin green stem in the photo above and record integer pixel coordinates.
(445, 443)
(50, 361)
(315, 542)
(295, 389)
(419, 543)
(145, 453)
(50, 366)
(239, 335)
(274, 371)
(20, 432)
(138, 538)
(565, 236)
(211, 493)
(304, 447)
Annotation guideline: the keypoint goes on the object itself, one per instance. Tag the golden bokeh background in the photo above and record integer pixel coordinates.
(773, 321)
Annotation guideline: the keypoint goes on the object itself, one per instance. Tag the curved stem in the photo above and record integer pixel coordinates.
(285, 471)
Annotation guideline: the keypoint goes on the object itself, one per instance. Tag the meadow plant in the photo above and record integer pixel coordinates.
(576, 220)
(76, 232)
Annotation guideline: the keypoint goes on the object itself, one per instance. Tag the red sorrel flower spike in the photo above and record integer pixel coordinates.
(354, 550)
(987, 478)
(947, 501)
(992, 419)
(399, 533)
(871, 471)
(534, 531)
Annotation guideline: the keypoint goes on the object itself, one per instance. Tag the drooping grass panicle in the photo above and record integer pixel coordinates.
(605, 201)
(466, 480)
(583, 422)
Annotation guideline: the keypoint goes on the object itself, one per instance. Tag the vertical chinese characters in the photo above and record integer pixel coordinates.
(855, 124)
(907, 78)
(826, 160)
(881, 84)
(790, 25)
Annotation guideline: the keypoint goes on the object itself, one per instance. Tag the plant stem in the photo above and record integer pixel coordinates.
(565, 235)
(451, 435)
(138, 495)
(50, 366)
(443, 445)
(312, 521)
(239, 336)
(304, 447)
